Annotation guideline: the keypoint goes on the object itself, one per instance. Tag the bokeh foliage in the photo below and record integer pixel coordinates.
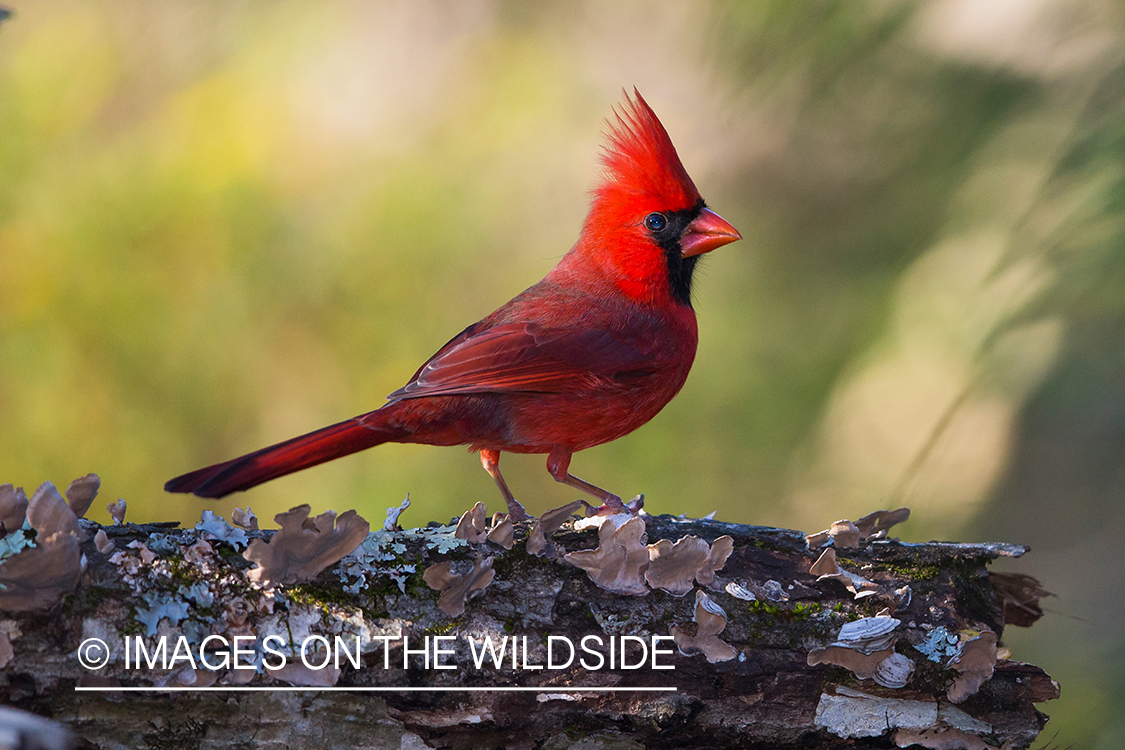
(224, 224)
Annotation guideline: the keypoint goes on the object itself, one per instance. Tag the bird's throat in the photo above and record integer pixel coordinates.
(680, 270)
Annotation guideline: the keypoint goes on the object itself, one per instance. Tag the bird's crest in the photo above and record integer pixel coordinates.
(640, 160)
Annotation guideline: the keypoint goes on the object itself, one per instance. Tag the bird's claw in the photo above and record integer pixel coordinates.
(613, 506)
(636, 504)
(516, 511)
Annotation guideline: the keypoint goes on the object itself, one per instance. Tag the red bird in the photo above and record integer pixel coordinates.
(590, 353)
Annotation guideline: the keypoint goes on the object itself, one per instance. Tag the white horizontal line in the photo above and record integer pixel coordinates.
(292, 688)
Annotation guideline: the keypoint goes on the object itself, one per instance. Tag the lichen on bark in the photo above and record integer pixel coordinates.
(766, 695)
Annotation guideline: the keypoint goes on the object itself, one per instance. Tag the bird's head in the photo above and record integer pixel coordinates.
(648, 225)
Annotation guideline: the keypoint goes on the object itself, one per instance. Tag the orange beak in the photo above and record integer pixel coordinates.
(707, 232)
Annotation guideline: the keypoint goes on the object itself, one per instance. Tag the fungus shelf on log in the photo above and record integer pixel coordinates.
(731, 640)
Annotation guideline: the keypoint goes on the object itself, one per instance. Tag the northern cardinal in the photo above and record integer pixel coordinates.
(590, 353)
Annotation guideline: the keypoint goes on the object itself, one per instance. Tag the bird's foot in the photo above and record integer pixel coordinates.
(516, 512)
(613, 506)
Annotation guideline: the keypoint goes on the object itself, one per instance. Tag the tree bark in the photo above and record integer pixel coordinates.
(178, 584)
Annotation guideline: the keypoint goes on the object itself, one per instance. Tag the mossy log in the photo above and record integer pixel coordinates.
(162, 581)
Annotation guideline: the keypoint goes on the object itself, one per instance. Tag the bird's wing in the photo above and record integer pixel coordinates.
(515, 357)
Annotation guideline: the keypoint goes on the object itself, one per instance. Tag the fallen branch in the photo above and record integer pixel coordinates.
(752, 642)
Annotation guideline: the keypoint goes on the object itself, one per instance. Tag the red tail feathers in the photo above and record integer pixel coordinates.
(284, 458)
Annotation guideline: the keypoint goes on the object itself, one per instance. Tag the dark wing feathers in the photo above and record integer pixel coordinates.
(515, 357)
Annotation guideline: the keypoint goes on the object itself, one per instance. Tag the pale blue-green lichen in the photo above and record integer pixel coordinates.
(164, 544)
(161, 606)
(20, 539)
(380, 553)
(200, 594)
(221, 530)
(939, 645)
(374, 556)
(438, 538)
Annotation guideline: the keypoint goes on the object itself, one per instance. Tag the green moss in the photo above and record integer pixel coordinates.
(226, 550)
(416, 585)
(131, 625)
(413, 586)
(204, 613)
(443, 628)
(383, 587)
(320, 596)
(182, 573)
(87, 598)
(802, 612)
(913, 573)
(798, 612)
(763, 608)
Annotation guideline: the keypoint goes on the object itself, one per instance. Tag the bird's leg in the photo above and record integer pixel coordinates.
(558, 464)
(490, 460)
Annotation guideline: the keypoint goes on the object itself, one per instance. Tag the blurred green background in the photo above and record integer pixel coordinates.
(224, 224)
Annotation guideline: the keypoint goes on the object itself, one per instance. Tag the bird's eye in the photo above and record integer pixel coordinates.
(655, 222)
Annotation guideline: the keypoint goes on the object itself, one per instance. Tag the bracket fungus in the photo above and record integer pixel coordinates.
(826, 568)
(455, 588)
(543, 527)
(862, 665)
(876, 525)
(620, 560)
(244, 519)
(48, 513)
(710, 620)
(13, 507)
(869, 634)
(976, 662)
(674, 565)
(81, 492)
(738, 591)
(39, 573)
(503, 531)
(861, 646)
(102, 543)
(471, 526)
(117, 512)
(894, 671)
(304, 546)
(721, 549)
(845, 534)
(841, 533)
